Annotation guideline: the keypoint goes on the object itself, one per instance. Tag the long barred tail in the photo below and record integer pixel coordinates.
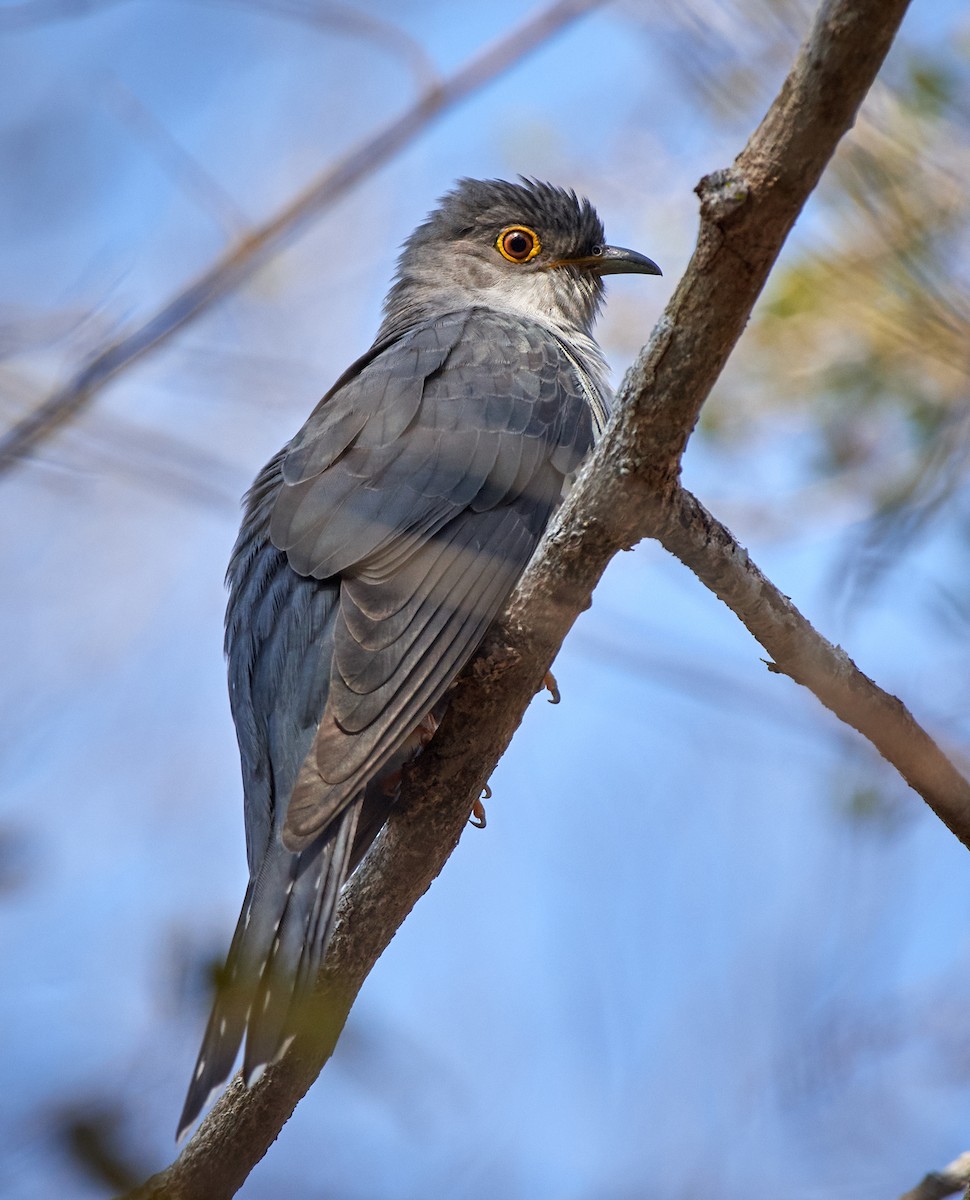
(280, 943)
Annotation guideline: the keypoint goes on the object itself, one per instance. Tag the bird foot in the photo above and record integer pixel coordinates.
(426, 729)
(549, 683)
(478, 809)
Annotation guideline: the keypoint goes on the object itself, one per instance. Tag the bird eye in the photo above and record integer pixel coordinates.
(597, 252)
(518, 244)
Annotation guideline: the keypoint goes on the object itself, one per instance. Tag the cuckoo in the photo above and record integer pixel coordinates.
(376, 548)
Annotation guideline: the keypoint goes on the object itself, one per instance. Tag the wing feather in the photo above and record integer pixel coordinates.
(375, 551)
(426, 516)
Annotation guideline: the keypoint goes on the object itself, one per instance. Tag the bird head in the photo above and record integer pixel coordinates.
(528, 247)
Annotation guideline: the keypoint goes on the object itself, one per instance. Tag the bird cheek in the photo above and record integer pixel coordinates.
(482, 275)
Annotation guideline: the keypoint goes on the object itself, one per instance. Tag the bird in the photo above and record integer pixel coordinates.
(375, 549)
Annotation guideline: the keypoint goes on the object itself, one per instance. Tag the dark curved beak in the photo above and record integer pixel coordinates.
(614, 260)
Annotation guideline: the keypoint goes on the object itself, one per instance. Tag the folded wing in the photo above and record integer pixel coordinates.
(423, 484)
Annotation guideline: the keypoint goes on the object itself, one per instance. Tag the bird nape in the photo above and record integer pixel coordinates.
(376, 548)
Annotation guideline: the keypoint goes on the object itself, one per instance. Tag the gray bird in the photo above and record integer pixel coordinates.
(376, 548)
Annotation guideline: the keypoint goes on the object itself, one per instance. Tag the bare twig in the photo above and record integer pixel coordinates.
(327, 13)
(173, 157)
(251, 251)
(939, 1184)
(15, 17)
(353, 21)
(627, 491)
(702, 543)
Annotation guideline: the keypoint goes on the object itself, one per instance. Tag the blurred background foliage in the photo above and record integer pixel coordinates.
(864, 328)
(708, 941)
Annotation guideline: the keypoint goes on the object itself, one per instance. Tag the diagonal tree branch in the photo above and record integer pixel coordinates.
(251, 250)
(955, 1177)
(704, 545)
(628, 490)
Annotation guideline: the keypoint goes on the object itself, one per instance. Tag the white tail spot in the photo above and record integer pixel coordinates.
(283, 1049)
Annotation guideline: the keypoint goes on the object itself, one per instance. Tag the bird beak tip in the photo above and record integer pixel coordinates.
(616, 260)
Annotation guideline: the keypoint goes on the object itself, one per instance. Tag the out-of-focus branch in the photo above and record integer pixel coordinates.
(251, 250)
(356, 23)
(939, 1184)
(15, 18)
(628, 490)
(31, 13)
(173, 158)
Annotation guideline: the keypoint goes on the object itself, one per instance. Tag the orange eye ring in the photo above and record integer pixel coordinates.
(518, 244)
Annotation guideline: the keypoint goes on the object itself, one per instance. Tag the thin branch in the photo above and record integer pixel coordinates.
(173, 158)
(14, 17)
(628, 490)
(33, 13)
(704, 545)
(250, 251)
(939, 1184)
(353, 21)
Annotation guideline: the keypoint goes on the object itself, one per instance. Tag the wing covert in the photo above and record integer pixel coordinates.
(422, 485)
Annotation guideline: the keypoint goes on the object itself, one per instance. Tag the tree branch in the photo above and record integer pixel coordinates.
(252, 249)
(628, 490)
(939, 1184)
(704, 545)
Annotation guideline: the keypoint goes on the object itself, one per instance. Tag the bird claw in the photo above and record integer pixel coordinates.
(391, 784)
(549, 683)
(427, 728)
(478, 809)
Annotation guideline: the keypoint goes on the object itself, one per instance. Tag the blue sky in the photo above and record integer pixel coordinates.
(673, 955)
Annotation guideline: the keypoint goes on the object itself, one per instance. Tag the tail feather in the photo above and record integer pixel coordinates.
(225, 1028)
(317, 941)
(282, 1005)
(279, 945)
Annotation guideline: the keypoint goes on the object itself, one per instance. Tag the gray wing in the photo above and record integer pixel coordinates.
(424, 483)
(374, 551)
(279, 645)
